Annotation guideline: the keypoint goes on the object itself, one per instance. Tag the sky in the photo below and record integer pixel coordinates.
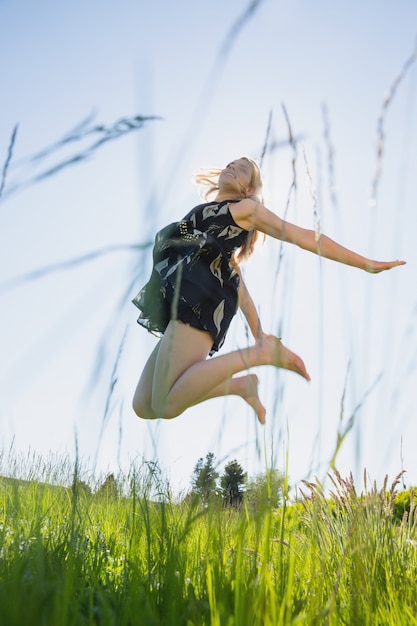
(213, 82)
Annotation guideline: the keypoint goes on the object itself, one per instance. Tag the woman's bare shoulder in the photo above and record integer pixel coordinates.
(242, 212)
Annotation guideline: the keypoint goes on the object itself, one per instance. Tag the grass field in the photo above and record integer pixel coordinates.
(70, 555)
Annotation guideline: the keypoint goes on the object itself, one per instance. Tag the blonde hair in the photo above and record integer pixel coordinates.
(209, 178)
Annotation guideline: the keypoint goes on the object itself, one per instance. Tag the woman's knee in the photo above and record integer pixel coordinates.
(142, 409)
(164, 408)
(151, 410)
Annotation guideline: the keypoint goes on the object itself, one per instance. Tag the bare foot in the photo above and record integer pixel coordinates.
(280, 356)
(258, 407)
(248, 390)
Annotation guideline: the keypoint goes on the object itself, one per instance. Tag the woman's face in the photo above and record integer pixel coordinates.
(237, 175)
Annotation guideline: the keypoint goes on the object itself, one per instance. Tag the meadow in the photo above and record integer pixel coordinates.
(77, 551)
(128, 553)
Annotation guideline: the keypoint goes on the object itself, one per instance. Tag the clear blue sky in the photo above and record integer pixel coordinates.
(213, 79)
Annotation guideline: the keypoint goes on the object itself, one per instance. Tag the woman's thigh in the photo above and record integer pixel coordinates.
(142, 399)
(181, 347)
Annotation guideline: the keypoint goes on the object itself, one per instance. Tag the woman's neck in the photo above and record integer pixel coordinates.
(224, 195)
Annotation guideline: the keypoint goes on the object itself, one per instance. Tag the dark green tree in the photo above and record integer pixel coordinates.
(232, 483)
(204, 478)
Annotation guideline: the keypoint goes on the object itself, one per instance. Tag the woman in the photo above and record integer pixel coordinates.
(194, 291)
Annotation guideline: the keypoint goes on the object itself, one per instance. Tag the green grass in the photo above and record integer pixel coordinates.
(72, 557)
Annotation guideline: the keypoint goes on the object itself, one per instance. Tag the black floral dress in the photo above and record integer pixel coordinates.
(192, 278)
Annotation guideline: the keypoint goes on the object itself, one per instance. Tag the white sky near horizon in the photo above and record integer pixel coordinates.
(60, 334)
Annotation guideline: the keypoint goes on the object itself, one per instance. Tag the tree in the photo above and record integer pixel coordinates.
(404, 502)
(109, 488)
(232, 483)
(266, 490)
(79, 487)
(204, 478)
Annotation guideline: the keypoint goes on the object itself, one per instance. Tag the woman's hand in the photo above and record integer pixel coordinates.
(374, 267)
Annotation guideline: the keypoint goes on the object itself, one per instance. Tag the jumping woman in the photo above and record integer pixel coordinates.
(196, 287)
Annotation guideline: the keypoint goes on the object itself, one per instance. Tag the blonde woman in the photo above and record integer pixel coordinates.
(195, 289)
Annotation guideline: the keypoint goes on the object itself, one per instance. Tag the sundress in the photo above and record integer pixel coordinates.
(193, 279)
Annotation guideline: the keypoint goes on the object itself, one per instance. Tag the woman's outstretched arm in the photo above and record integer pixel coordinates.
(252, 215)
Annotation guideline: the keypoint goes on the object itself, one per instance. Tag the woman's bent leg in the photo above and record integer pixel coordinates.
(244, 386)
(184, 377)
